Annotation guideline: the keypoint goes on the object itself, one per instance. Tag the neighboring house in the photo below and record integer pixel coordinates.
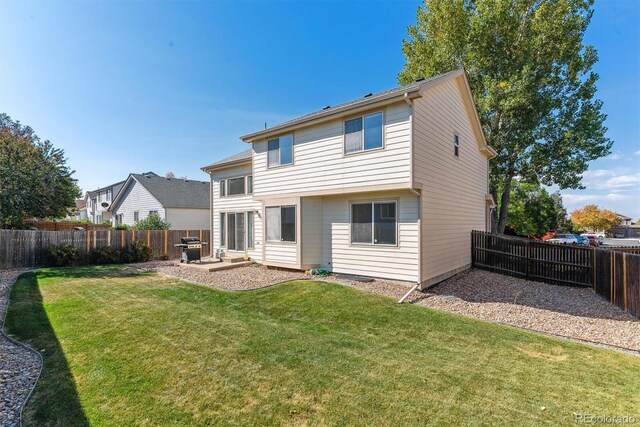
(79, 211)
(181, 202)
(624, 220)
(389, 185)
(98, 201)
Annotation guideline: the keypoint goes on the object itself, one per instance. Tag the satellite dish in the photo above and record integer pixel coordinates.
(104, 204)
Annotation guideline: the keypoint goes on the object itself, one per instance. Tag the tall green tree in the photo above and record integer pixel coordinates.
(35, 181)
(533, 211)
(532, 80)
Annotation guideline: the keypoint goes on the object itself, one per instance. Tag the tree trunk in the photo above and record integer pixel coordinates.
(494, 211)
(504, 204)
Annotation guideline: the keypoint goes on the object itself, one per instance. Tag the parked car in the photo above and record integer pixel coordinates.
(564, 239)
(593, 240)
(582, 240)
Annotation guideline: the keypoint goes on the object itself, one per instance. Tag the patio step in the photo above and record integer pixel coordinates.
(215, 266)
(233, 259)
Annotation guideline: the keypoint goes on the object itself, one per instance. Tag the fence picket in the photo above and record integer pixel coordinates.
(26, 248)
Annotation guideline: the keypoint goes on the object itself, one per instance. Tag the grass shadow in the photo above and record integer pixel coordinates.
(55, 400)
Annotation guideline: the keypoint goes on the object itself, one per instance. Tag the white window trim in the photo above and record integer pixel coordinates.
(226, 187)
(362, 116)
(280, 165)
(282, 242)
(371, 202)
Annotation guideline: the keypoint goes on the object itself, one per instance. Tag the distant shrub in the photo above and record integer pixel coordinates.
(63, 255)
(104, 255)
(136, 252)
(122, 227)
(152, 222)
(106, 222)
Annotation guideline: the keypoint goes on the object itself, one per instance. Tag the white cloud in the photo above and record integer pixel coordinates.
(611, 179)
(637, 153)
(614, 156)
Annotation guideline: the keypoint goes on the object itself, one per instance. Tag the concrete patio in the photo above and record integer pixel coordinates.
(214, 264)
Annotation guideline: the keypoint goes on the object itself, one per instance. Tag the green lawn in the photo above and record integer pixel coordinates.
(141, 349)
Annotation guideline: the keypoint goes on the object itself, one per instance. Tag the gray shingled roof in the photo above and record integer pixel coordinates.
(176, 192)
(238, 157)
(370, 98)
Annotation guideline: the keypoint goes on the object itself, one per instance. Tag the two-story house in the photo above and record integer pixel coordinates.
(184, 203)
(97, 202)
(389, 185)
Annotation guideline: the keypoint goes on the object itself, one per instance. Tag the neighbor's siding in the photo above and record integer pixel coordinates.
(311, 231)
(188, 218)
(397, 263)
(137, 198)
(235, 204)
(453, 188)
(320, 165)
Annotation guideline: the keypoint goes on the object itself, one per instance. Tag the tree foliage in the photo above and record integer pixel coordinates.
(35, 181)
(532, 80)
(592, 218)
(152, 222)
(533, 211)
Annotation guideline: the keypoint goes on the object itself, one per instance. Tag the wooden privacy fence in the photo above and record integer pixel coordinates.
(613, 274)
(26, 248)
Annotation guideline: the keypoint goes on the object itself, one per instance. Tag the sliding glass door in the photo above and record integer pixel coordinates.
(235, 232)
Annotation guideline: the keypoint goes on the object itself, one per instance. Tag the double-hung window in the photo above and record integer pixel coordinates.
(250, 230)
(153, 213)
(280, 151)
(223, 229)
(363, 133)
(223, 187)
(281, 223)
(136, 216)
(250, 184)
(374, 223)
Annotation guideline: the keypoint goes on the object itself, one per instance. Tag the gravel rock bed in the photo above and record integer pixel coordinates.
(576, 313)
(19, 367)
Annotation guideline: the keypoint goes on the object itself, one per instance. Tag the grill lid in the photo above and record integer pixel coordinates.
(188, 240)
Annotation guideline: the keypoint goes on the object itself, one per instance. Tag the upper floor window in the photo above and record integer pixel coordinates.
(153, 213)
(363, 133)
(108, 194)
(280, 151)
(236, 186)
(456, 145)
(136, 216)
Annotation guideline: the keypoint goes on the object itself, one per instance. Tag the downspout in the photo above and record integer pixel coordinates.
(417, 193)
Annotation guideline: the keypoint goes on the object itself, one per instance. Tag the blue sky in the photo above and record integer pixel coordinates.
(170, 86)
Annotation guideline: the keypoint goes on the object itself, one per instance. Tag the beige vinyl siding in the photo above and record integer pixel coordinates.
(453, 188)
(279, 253)
(235, 204)
(392, 262)
(321, 165)
(188, 218)
(311, 232)
(137, 198)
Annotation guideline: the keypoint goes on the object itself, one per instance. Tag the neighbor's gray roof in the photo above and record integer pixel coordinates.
(236, 158)
(367, 99)
(176, 192)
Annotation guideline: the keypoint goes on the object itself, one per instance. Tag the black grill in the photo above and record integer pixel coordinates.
(191, 247)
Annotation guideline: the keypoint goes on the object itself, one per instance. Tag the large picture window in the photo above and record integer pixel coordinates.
(374, 223)
(235, 186)
(363, 133)
(280, 151)
(281, 223)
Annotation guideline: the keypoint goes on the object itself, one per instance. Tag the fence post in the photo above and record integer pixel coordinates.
(149, 238)
(594, 264)
(624, 279)
(109, 238)
(88, 240)
(133, 236)
(166, 239)
(527, 259)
